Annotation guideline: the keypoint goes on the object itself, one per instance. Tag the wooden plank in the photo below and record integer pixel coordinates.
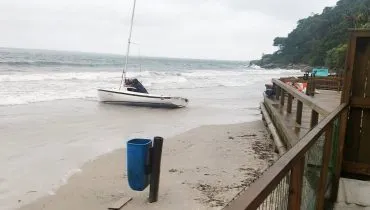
(282, 98)
(321, 188)
(259, 190)
(285, 133)
(290, 102)
(278, 143)
(349, 69)
(357, 87)
(359, 68)
(353, 135)
(314, 118)
(308, 101)
(364, 141)
(360, 102)
(340, 155)
(299, 112)
(295, 185)
(120, 203)
(356, 168)
(364, 144)
(360, 32)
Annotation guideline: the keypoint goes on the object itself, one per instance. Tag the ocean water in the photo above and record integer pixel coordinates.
(28, 76)
(51, 122)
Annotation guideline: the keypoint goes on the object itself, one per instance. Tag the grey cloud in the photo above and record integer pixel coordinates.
(221, 29)
(286, 9)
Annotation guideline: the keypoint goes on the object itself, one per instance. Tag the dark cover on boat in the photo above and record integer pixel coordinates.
(137, 85)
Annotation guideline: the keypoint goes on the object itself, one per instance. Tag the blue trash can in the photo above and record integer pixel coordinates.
(138, 162)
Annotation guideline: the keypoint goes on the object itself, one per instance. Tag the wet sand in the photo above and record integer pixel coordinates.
(203, 168)
(43, 144)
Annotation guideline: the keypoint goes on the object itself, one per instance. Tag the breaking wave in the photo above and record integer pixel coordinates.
(21, 88)
(56, 63)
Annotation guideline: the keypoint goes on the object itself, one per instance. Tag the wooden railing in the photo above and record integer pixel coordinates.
(301, 177)
(324, 83)
(289, 183)
(282, 88)
(329, 83)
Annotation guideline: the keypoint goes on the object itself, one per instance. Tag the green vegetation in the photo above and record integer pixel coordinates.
(335, 58)
(320, 40)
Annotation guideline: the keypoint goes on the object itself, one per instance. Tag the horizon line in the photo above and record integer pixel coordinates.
(116, 54)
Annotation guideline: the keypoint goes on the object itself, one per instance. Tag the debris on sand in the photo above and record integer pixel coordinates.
(264, 151)
(248, 135)
(212, 195)
(172, 170)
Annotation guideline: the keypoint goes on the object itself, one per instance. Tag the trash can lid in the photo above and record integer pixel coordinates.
(139, 141)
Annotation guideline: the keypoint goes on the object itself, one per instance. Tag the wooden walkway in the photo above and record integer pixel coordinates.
(310, 172)
(290, 130)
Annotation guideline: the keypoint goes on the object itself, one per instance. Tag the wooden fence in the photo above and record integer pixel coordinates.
(324, 83)
(302, 176)
(283, 90)
(357, 93)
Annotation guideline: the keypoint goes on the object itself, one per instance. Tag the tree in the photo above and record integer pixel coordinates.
(279, 42)
(320, 39)
(335, 58)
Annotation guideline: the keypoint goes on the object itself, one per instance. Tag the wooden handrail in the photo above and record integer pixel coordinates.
(324, 83)
(306, 100)
(252, 198)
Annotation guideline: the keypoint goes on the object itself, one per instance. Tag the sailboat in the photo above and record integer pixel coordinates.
(132, 92)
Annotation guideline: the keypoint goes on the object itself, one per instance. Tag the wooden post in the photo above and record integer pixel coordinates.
(278, 90)
(308, 88)
(339, 158)
(313, 86)
(314, 118)
(156, 169)
(295, 186)
(338, 84)
(299, 112)
(321, 188)
(290, 102)
(282, 97)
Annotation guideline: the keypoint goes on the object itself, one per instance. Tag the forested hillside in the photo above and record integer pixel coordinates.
(321, 39)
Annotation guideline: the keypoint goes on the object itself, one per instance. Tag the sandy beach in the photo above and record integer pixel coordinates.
(203, 168)
(51, 123)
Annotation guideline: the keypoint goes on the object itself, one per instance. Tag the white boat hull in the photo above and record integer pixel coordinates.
(140, 99)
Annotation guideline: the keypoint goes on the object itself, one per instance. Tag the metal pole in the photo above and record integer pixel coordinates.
(156, 169)
(128, 45)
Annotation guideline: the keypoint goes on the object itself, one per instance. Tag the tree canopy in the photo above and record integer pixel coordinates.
(320, 40)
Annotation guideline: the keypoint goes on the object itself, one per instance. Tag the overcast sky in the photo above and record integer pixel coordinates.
(213, 29)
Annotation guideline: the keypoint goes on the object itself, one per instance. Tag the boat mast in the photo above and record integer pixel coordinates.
(123, 77)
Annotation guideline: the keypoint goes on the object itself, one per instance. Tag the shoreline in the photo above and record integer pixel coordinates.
(202, 168)
(60, 136)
